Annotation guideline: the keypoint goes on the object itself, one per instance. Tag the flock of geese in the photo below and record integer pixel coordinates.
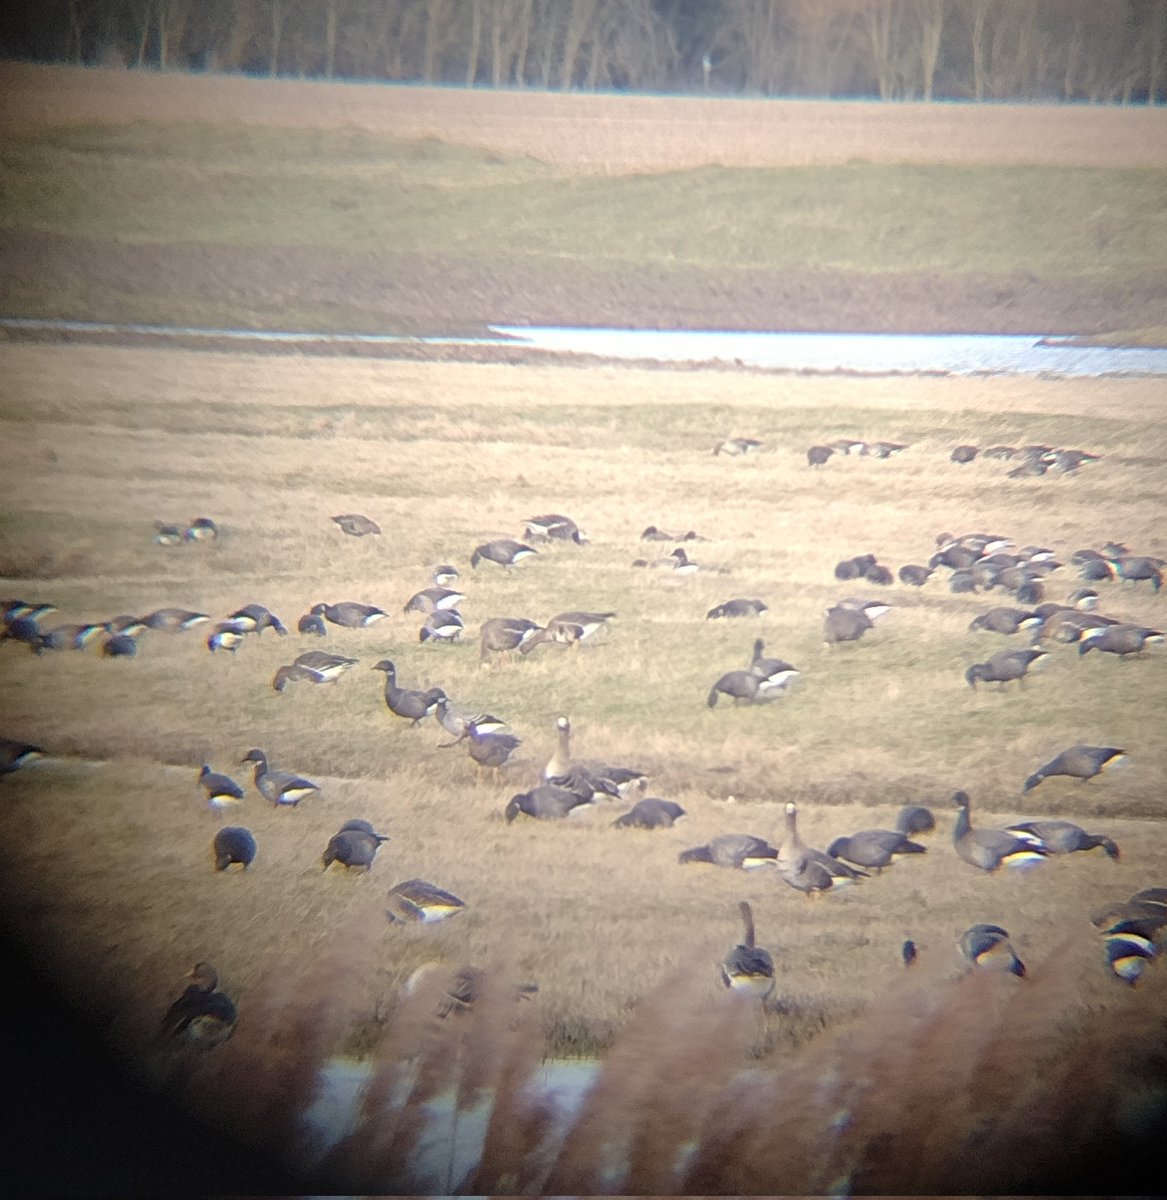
(976, 562)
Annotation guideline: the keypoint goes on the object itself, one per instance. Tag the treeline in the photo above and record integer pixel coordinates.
(1101, 51)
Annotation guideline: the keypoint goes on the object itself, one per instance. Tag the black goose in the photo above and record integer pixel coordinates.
(350, 614)
(459, 719)
(742, 686)
(1135, 568)
(553, 527)
(598, 778)
(876, 848)
(650, 813)
(747, 968)
(222, 791)
(503, 551)
(989, 946)
(796, 867)
(914, 575)
(1004, 620)
(1119, 639)
(201, 1015)
(1061, 837)
(357, 525)
(1003, 667)
(418, 900)
(409, 703)
(174, 620)
(737, 446)
(490, 751)
(434, 599)
(776, 674)
(989, 849)
(738, 607)
(314, 666)
(816, 456)
(281, 788)
(546, 802)
(843, 624)
(225, 637)
(443, 627)
(14, 754)
(201, 529)
(1078, 762)
(352, 847)
(254, 618)
(915, 818)
(737, 851)
(233, 844)
(121, 645)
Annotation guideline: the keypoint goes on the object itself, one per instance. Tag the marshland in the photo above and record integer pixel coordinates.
(107, 840)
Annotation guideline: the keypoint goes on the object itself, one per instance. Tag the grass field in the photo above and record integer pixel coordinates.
(106, 843)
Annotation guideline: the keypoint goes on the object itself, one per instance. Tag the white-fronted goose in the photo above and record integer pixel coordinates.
(989, 946)
(796, 867)
(1119, 639)
(444, 626)
(201, 1015)
(553, 527)
(737, 851)
(747, 968)
(546, 802)
(14, 754)
(776, 674)
(422, 901)
(1078, 762)
(233, 844)
(501, 635)
(1062, 837)
(568, 629)
(1004, 620)
(412, 704)
(563, 771)
(352, 847)
(738, 607)
(281, 788)
(503, 551)
(737, 446)
(915, 818)
(201, 529)
(650, 813)
(876, 848)
(222, 791)
(434, 599)
(1003, 667)
(357, 525)
(174, 620)
(254, 618)
(988, 849)
(350, 614)
(741, 686)
(313, 666)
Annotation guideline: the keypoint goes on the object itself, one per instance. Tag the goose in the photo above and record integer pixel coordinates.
(553, 527)
(1002, 452)
(121, 645)
(914, 575)
(330, 668)
(562, 771)
(1067, 461)
(1004, 620)
(1127, 955)
(1062, 837)
(747, 968)
(312, 623)
(225, 638)
(352, 848)
(1083, 599)
(167, 534)
(546, 802)
(1078, 762)
(883, 449)
(741, 686)
(653, 534)
(1003, 667)
(909, 953)
(737, 607)
(738, 851)
(989, 946)
(816, 456)
(1119, 639)
(915, 818)
(875, 848)
(682, 563)
(569, 629)
(444, 626)
(420, 900)
(14, 754)
(490, 750)
(737, 446)
(459, 719)
(854, 568)
(254, 618)
(201, 529)
(26, 630)
(434, 599)
(233, 844)
(796, 867)
(503, 551)
(222, 791)
(846, 446)
(961, 582)
(501, 635)
(650, 813)
(879, 574)
(201, 1015)
(174, 620)
(67, 637)
(844, 625)
(13, 609)
(1094, 570)
(776, 674)
(409, 703)
(130, 626)
(356, 525)
(1135, 568)
(350, 614)
(963, 454)
(281, 788)
(1069, 625)
(988, 849)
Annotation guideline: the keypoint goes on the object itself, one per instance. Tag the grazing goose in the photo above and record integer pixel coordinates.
(281, 788)
(1070, 625)
(201, 529)
(26, 630)
(963, 454)
(444, 575)
(167, 534)
(312, 623)
(1062, 837)
(1083, 599)
(797, 867)
(459, 719)
(130, 626)
(490, 750)
(434, 599)
(254, 618)
(875, 848)
(121, 645)
(502, 635)
(1078, 762)
(1004, 620)
(420, 900)
(883, 449)
(201, 1015)
(1127, 955)
(356, 525)
(741, 686)
(738, 851)
(1001, 452)
(552, 527)
(1133, 569)
(914, 575)
(562, 771)
(854, 568)
(174, 620)
(350, 614)
(326, 668)
(737, 446)
(915, 818)
(445, 626)
(816, 456)
(294, 673)
(776, 674)
(989, 849)
(233, 844)
(568, 629)
(1119, 639)
(352, 847)
(67, 637)
(503, 551)
(653, 534)
(737, 607)
(747, 967)
(989, 946)
(225, 637)
(650, 813)
(14, 754)
(879, 574)
(409, 703)
(222, 791)
(546, 802)
(1003, 667)
(844, 625)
